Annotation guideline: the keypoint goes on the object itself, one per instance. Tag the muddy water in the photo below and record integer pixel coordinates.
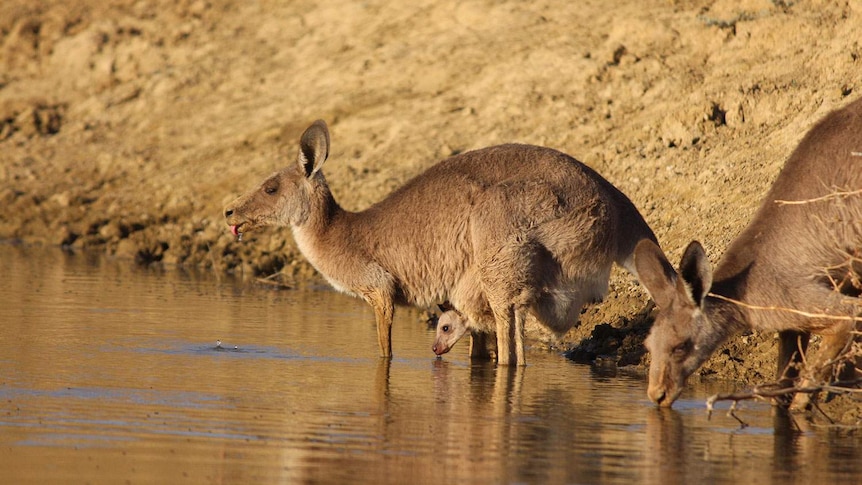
(110, 373)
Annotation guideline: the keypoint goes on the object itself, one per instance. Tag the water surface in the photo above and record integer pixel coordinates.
(111, 373)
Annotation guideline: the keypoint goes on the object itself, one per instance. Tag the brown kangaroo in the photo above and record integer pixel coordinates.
(510, 228)
(802, 255)
(452, 325)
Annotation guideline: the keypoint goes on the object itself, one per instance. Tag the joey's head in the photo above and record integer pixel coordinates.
(680, 340)
(451, 326)
(285, 198)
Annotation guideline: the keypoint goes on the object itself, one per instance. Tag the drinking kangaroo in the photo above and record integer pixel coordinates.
(516, 229)
(800, 252)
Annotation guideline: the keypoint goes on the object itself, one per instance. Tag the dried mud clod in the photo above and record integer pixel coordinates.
(620, 343)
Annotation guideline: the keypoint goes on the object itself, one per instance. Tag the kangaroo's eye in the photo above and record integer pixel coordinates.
(445, 328)
(270, 189)
(682, 349)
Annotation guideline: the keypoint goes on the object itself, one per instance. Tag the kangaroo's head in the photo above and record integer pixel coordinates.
(681, 338)
(285, 197)
(451, 326)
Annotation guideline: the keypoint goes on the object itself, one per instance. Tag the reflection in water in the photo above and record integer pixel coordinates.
(665, 446)
(788, 436)
(111, 372)
(798, 444)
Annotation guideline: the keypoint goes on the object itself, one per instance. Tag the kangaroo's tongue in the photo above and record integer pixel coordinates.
(234, 231)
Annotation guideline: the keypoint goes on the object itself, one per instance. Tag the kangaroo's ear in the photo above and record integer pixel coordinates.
(696, 271)
(313, 148)
(445, 306)
(655, 272)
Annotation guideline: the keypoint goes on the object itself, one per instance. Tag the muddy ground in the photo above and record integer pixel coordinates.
(125, 126)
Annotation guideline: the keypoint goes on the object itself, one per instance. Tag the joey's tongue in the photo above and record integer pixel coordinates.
(234, 231)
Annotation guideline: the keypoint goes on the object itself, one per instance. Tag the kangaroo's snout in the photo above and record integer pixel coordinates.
(658, 396)
(440, 349)
(235, 226)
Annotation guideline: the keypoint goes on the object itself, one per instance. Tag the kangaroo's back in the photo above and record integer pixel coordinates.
(580, 215)
(811, 218)
(827, 159)
(471, 172)
(794, 269)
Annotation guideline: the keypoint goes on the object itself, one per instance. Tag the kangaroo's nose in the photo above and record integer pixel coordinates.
(228, 212)
(658, 396)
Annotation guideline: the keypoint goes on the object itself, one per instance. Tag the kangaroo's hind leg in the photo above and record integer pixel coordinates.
(510, 320)
(479, 342)
(381, 301)
(823, 367)
(791, 349)
(510, 285)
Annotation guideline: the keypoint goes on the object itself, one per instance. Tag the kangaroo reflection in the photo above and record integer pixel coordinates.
(802, 449)
(680, 449)
(488, 408)
(535, 424)
(786, 445)
(666, 447)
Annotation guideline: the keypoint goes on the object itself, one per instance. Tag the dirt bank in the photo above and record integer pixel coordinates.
(126, 125)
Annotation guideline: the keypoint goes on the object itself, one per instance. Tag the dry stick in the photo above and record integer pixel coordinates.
(767, 391)
(832, 195)
(785, 309)
(271, 280)
(763, 393)
(772, 390)
(853, 277)
(818, 408)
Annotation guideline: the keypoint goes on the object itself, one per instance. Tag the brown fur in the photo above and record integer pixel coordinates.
(516, 228)
(452, 325)
(792, 256)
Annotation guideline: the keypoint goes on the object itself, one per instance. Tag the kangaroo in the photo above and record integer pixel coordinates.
(452, 325)
(516, 228)
(800, 252)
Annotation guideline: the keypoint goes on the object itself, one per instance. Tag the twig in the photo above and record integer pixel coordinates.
(852, 351)
(784, 309)
(272, 280)
(818, 408)
(732, 413)
(768, 391)
(833, 195)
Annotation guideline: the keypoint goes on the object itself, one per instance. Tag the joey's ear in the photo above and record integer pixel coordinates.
(313, 148)
(696, 271)
(655, 272)
(445, 306)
